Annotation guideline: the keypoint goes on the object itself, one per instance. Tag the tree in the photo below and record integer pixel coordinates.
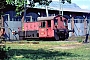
(63, 1)
(2, 6)
(69, 1)
(43, 2)
(20, 4)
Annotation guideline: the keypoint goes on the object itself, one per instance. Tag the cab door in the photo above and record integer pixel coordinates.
(42, 29)
(49, 29)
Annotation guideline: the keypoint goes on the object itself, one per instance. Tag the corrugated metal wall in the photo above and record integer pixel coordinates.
(11, 26)
(78, 27)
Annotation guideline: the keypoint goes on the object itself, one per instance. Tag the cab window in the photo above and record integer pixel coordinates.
(55, 21)
(43, 24)
(49, 23)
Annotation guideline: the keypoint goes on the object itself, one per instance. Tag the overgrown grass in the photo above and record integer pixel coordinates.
(42, 51)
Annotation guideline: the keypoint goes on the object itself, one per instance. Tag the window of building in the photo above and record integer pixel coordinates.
(88, 21)
(80, 21)
(65, 22)
(75, 21)
(29, 19)
(69, 21)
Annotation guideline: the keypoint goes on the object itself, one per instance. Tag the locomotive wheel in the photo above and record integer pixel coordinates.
(62, 36)
(67, 35)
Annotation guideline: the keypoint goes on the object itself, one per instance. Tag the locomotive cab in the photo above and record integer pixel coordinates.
(46, 27)
(60, 28)
(53, 27)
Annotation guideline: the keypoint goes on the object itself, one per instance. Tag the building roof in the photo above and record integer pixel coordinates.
(65, 5)
(55, 5)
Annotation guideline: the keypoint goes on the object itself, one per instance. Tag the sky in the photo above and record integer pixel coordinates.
(84, 4)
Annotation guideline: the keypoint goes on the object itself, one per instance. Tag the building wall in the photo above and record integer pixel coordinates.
(13, 22)
(11, 26)
(78, 26)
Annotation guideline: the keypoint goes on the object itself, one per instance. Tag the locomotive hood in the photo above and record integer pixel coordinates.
(45, 18)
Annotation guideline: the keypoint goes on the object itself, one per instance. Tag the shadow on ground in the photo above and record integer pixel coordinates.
(40, 54)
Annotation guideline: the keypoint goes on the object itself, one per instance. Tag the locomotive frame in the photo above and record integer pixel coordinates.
(52, 27)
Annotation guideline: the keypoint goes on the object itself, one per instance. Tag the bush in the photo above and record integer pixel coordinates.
(3, 51)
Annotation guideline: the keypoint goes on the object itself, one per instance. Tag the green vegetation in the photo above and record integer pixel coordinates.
(79, 39)
(3, 50)
(48, 50)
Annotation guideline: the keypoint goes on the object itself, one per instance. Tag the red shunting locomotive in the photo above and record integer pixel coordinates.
(55, 27)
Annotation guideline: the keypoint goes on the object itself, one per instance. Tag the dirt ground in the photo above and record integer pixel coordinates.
(73, 38)
(71, 46)
(68, 46)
